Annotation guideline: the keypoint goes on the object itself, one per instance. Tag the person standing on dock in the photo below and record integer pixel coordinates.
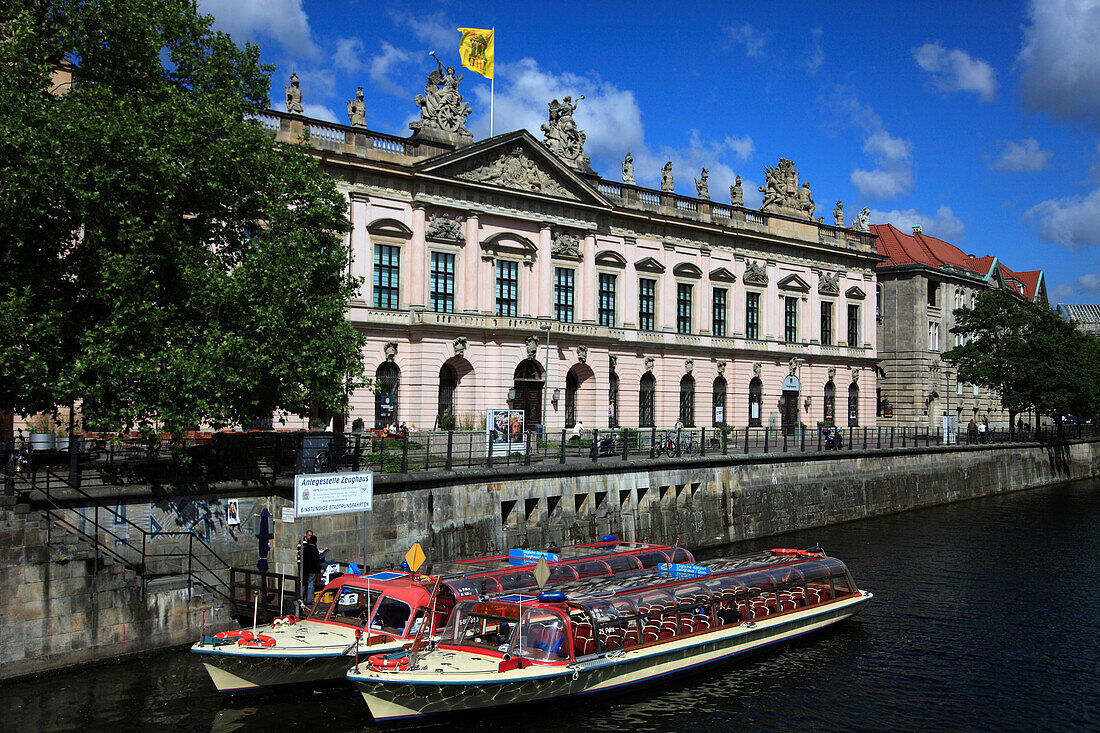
(310, 564)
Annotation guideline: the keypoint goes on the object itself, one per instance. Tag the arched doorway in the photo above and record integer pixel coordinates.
(613, 400)
(756, 394)
(646, 392)
(829, 411)
(571, 388)
(853, 405)
(447, 382)
(687, 401)
(387, 379)
(718, 400)
(528, 383)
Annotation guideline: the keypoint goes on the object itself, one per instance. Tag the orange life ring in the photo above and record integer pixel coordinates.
(232, 634)
(259, 640)
(388, 662)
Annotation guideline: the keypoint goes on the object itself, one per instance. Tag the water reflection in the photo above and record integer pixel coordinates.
(986, 616)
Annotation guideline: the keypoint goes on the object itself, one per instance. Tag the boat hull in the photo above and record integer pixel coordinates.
(401, 696)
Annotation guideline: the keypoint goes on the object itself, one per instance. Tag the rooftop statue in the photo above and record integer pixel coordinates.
(782, 194)
(702, 188)
(838, 214)
(294, 96)
(737, 196)
(562, 135)
(628, 169)
(357, 110)
(863, 220)
(442, 108)
(666, 178)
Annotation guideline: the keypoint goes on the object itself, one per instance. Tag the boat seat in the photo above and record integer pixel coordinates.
(630, 638)
(584, 646)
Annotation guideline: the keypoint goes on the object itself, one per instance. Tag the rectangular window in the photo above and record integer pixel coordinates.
(826, 324)
(752, 315)
(974, 389)
(507, 287)
(719, 326)
(443, 282)
(853, 326)
(958, 388)
(563, 294)
(933, 336)
(683, 308)
(607, 300)
(790, 320)
(387, 275)
(647, 296)
(933, 293)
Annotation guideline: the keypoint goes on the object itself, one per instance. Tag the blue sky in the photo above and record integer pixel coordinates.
(981, 121)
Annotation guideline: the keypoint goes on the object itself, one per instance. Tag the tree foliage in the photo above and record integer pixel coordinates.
(166, 263)
(1029, 355)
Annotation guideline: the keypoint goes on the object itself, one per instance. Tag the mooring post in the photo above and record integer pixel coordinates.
(489, 458)
(450, 450)
(561, 458)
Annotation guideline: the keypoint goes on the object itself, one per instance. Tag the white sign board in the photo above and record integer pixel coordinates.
(288, 514)
(316, 494)
(791, 384)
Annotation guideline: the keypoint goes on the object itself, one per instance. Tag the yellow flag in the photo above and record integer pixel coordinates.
(476, 50)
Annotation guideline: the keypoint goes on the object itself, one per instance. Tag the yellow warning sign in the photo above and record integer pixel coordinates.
(415, 557)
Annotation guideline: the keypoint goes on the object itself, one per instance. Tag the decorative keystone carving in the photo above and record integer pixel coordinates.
(445, 227)
(721, 364)
(755, 274)
(756, 369)
(532, 344)
(390, 349)
(689, 366)
(649, 361)
(459, 345)
(612, 362)
(832, 373)
(582, 354)
(829, 284)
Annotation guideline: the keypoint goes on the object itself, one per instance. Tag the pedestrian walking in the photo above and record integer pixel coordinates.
(971, 431)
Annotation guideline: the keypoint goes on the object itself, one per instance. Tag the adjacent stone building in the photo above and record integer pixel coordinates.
(1085, 317)
(921, 283)
(506, 273)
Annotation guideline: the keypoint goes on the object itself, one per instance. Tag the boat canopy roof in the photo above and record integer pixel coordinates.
(509, 561)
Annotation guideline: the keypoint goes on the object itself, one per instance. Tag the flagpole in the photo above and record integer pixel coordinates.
(492, 82)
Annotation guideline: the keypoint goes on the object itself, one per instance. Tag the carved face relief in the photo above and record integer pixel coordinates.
(832, 373)
(689, 365)
(721, 366)
(755, 274)
(582, 354)
(459, 345)
(649, 363)
(532, 344)
(612, 361)
(855, 377)
(390, 349)
(756, 367)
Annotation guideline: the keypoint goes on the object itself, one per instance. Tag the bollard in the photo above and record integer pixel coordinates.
(652, 441)
(819, 440)
(784, 441)
(702, 441)
(803, 439)
(489, 458)
(527, 450)
(561, 458)
(747, 440)
(450, 450)
(891, 436)
(864, 438)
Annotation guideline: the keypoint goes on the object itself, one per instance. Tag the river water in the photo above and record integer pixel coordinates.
(986, 617)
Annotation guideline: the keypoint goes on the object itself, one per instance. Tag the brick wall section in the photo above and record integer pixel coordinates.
(57, 611)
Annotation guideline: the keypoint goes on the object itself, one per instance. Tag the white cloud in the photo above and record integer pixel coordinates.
(753, 39)
(319, 112)
(944, 225)
(1060, 66)
(893, 174)
(1073, 221)
(743, 146)
(1088, 284)
(384, 64)
(1021, 157)
(349, 54)
(817, 54)
(283, 21)
(434, 29)
(1094, 169)
(956, 70)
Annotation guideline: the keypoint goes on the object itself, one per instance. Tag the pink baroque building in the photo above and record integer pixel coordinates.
(505, 273)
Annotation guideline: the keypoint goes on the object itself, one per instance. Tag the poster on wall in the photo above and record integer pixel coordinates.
(233, 512)
(504, 429)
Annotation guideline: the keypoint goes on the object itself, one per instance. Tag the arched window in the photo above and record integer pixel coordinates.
(447, 382)
(687, 401)
(387, 378)
(853, 405)
(645, 401)
(718, 400)
(570, 400)
(528, 385)
(829, 411)
(613, 401)
(756, 393)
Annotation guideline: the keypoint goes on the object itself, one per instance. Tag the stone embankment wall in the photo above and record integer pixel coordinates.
(62, 607)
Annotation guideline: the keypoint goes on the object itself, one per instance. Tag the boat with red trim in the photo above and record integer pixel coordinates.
(610, 633)
(381, 613)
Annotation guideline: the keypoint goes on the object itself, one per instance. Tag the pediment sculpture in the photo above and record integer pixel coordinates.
(443, 111)
(755, 274)
(829, 284)
(863, 220)
(782, 193)
(357, 110)
(838, 214)
(702, 188)
(514, 169)
(566, 245)
(628, 169)
(737, 194)
(562, 135)
(666, 178)
(446, 228)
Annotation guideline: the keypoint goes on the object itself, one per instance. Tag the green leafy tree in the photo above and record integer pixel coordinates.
(1026, 353)
(166, 263)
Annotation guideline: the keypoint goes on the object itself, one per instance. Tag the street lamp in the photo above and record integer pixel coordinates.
(545, 373)
(798, 401)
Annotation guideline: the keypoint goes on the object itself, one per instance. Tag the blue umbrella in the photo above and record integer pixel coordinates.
(265, 540)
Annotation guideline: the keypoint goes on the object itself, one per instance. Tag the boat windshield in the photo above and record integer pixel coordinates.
(488, 625)
(354, 606)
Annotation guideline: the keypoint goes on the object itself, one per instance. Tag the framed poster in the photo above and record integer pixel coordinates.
(504, 429)
(233, 512)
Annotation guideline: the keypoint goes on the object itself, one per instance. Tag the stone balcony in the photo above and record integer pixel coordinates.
(519, 327)
(347, 140)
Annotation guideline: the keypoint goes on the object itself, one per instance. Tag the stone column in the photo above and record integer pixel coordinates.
(416, 273)
(545, 270)
(586, 287)
(470, 264)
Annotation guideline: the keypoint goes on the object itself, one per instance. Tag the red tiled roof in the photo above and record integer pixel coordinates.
(902, 249)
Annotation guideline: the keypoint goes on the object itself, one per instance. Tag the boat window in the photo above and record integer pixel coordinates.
(353, 606)
(324, 604)
(724, 586)
(391, 617)
(591, 569)
(787, 575)
(542, 636)
(814, 571)
(486, 625)
(652, 601)
(679, 554)
(559, 573)
(756, 580)
(651, 559)
(622, 563)
(516, 579)
(461, 587)
(691, 593)
(610, 610)
(485, 584)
